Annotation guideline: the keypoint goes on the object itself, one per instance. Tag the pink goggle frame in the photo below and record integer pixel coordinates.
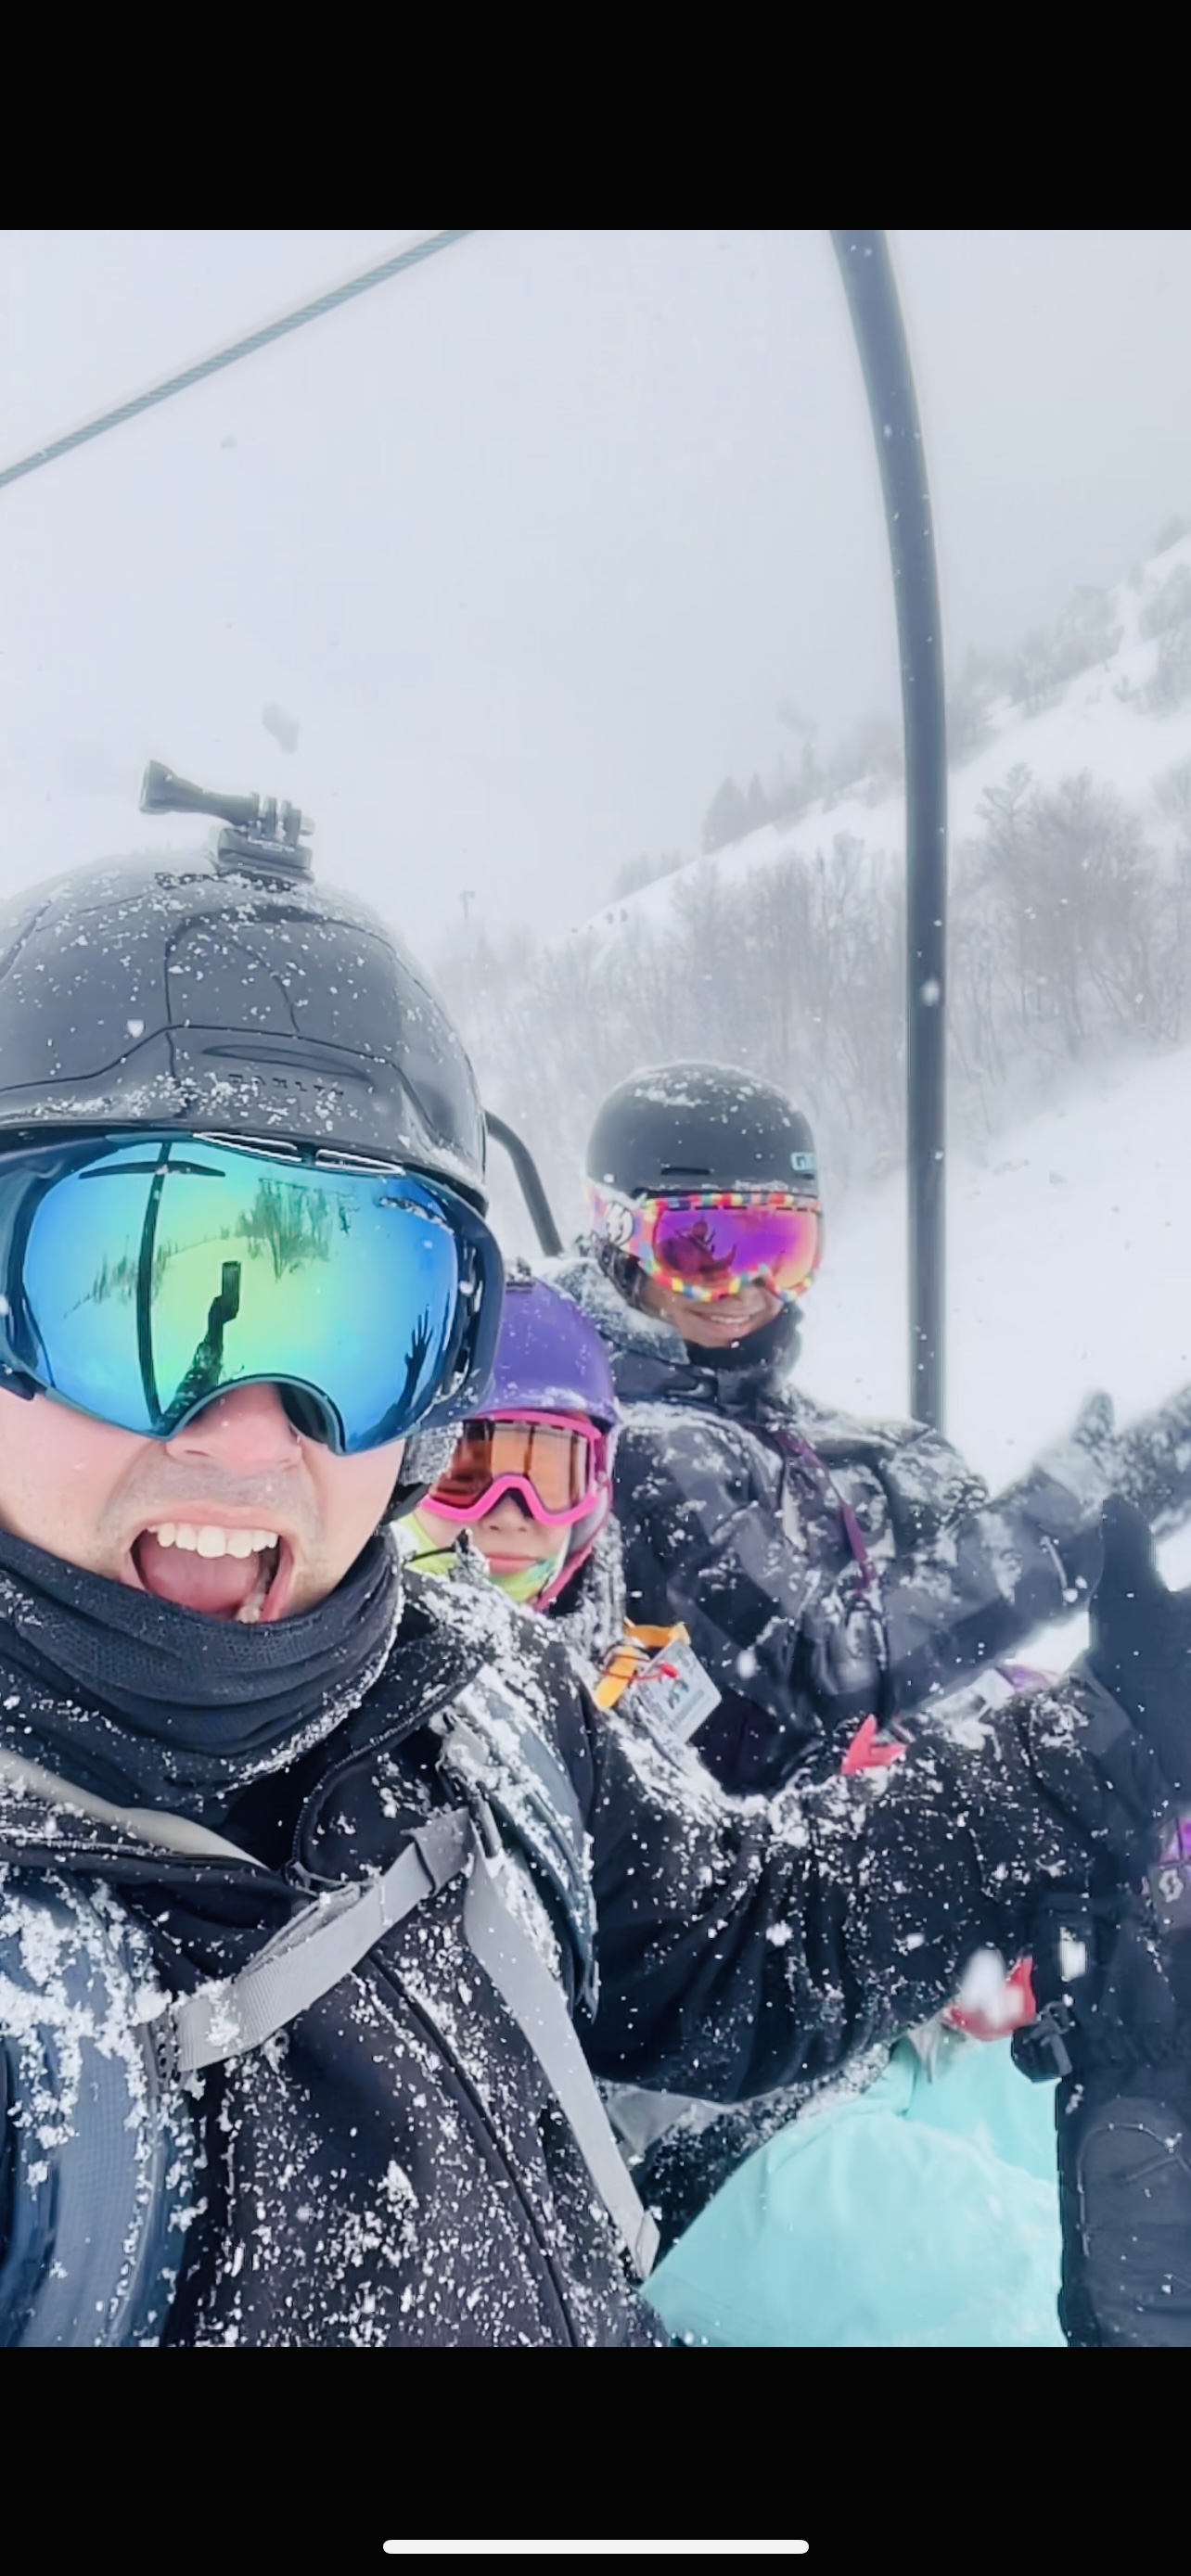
(519, 1453)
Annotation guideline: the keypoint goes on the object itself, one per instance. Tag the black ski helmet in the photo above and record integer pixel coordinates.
(675, 1128)
(134, 994)
(231, 994)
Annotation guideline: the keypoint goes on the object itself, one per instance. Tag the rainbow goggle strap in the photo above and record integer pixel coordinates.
(711, 1243)
(143, 1274)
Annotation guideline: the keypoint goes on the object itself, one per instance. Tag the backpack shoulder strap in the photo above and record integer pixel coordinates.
(308, 1956)
(495, 1752)
(147, 1824)
(535, 2001)
(331, 1937)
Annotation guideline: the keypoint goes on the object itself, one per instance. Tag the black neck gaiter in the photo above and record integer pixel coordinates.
(765, 1356)
(149, 1705)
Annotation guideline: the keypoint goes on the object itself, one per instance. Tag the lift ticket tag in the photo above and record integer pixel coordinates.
(675, 1691)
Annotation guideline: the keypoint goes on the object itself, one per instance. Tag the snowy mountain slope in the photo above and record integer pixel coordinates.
(1099, 724)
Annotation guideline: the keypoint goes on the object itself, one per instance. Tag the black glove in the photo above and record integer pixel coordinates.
(1153, 1461)
(1116, 2018)
(1141, 1642)
(1067, 1486)
(1149, 1462)
(1124, 2153)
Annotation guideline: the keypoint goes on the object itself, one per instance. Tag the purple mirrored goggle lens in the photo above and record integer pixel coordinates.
(716, 1246)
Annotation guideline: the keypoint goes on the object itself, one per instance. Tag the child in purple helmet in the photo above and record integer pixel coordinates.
(530, 1481)
(529, 1488)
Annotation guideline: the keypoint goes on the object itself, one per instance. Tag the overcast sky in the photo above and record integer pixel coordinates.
(533, 541)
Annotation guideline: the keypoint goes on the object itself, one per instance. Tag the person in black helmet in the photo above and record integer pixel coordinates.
(312, 1877)
(835, 1575)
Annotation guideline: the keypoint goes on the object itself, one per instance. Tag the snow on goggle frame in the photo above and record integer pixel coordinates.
(143, 1274)
(710, 1243)
(556, 1464)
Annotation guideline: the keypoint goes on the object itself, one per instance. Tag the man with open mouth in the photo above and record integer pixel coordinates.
(322, 1889)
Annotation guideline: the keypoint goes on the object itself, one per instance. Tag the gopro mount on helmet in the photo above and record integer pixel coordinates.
(260, 837)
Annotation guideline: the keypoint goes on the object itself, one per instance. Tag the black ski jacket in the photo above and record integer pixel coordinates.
(391, 2168)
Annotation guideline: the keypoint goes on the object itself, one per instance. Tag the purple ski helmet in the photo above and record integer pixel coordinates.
(549, 1359)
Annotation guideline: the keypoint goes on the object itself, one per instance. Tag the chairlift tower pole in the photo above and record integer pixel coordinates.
(871, 289)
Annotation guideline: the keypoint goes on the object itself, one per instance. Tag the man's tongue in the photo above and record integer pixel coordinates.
(220, 1585)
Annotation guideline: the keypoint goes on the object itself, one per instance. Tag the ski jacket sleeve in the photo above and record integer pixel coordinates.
(748, 1943)
(966, 1583)
(966, 1587)
(963, 1590)
(96, 2166)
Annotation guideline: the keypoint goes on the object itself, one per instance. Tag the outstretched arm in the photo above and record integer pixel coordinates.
(965, 1589)
(748, 1943)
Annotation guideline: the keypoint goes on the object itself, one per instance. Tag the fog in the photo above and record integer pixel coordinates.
(531, 544)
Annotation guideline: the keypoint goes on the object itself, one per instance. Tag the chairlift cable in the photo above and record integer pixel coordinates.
(230, 357)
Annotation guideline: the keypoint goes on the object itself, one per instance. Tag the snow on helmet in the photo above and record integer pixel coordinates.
(686, 1127)
(134, 994)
